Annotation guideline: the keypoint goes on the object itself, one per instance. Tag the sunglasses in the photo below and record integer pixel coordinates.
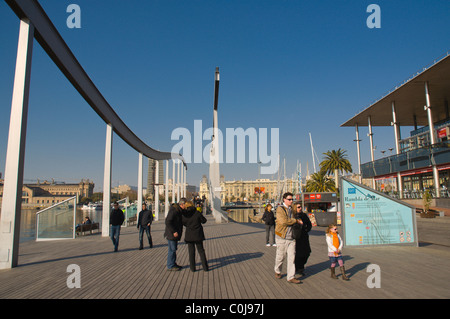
(289, 199)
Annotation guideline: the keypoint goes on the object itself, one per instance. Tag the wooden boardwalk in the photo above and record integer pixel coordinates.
(241, 267)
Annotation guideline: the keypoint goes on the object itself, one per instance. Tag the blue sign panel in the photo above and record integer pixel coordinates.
(373, 218)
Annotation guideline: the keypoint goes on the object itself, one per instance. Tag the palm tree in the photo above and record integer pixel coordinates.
(334, 162)
(319, 182)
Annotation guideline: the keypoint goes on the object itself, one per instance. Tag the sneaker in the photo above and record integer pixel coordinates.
(274, 245)
(268, 245)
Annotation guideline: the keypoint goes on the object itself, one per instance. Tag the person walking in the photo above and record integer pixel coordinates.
(335, 243)
(192, 219)
(173, 232)
(144, 223)
(302, 246)
(269, 219)
(284, 240)
(115, 220)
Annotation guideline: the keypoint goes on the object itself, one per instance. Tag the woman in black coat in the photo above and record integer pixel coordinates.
(194, 236)
(302, 246)
(269, 220)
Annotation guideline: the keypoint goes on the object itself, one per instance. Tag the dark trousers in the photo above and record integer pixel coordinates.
(302, 253)
(300, 261)
(115, 234)
(141, 236)
(201, 252)
(270, 229)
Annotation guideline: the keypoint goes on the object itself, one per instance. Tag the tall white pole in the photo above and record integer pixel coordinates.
(397, 147)
(184, 181)
(166, 191)
(432, 139)
(358, 150)
(156, 190)
(178, 180)
(372, 156)
(15, 153)
(173, 181)
(107, 181)
(140, 178)
(312, 153)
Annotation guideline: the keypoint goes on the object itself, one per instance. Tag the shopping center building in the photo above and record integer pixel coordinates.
(421, 161)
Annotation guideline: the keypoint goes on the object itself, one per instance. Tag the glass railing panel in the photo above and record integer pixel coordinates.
(57, 221)
(437, 154)
(440, 153)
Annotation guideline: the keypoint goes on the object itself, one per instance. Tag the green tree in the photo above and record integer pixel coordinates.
(335, 161)
(319, 182)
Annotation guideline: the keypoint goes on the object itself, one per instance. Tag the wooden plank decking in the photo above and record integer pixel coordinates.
(241, 267)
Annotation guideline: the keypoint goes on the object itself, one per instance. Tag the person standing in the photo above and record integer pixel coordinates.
(284, 240)
(335, 243)
(144, 223)
(193, 219)
(302, 246)
(173, 232)
(269, 220)
(115, 220)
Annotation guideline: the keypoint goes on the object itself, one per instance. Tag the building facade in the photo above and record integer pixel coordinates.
(248, 190)
(47, 193)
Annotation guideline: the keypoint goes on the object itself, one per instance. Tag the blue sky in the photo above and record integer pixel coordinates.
(300, 66)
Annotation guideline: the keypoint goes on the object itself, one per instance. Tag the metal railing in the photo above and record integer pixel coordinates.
(425, 157)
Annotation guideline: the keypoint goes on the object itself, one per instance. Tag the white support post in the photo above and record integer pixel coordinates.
(166, 190)
(437, 186)
(178, 180)
(357, 140)
(140, 183)
(173, 181)
(107, 181)
(156, 190)
(372, 156)
(397, 147)
(15, 153)
(184, 181)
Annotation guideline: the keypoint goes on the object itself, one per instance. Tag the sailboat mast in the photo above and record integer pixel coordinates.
(312, 153)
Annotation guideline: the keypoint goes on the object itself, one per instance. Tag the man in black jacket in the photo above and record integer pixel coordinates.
(173, 232)
(115, 220)
(144, 222)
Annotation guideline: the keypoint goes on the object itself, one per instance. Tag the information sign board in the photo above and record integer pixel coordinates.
(373, 218)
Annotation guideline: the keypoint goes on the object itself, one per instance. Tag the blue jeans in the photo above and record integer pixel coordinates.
(145, 229)
(172, 254)
(115, 233)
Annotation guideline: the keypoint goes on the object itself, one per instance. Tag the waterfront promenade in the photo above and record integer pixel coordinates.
(241, 267)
